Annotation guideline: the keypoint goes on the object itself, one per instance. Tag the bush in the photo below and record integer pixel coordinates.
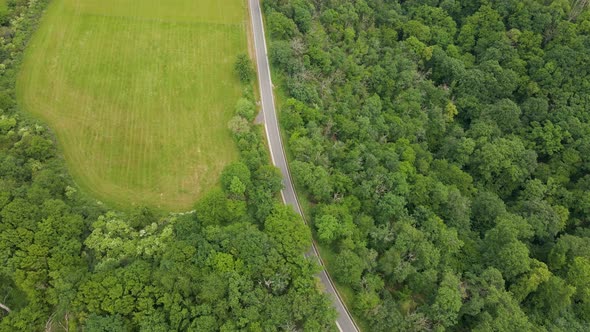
(246, 109)
(243, 68)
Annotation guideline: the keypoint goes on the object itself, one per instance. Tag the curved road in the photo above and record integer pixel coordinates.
(273, 135)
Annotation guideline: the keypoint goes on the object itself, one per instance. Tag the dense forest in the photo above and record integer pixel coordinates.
(69, 264)
(444, 148)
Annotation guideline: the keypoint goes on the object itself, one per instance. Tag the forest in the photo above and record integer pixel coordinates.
(68, 263)
(443, 147)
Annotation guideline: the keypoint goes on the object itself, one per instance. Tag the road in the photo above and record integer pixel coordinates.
(273, 135)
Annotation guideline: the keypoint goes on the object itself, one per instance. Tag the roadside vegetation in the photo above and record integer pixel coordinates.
(443, 147)
(68, 264)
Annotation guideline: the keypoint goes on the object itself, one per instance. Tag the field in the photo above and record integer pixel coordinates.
(138, 94)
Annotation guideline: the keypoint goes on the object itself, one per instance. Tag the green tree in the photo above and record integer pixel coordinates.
(328, 228)
(280, 26)
(503, 165)
(215, 208)
(288, 232)
(530, 282)
(552, 298)
(243, 68)
(246, 109)
(236, 170)
(503, 248)
(348, 268)
(448, 302)
(505, 113)
(578, 276)
(97, 323)
(548, 138)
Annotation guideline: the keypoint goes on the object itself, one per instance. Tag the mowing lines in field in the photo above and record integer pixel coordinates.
(139, 96)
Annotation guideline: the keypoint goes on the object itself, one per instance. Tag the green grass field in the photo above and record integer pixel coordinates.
(138, 93)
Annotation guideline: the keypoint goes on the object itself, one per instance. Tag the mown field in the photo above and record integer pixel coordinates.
(138, 94)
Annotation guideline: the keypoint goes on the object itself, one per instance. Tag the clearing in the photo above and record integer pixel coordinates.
(139, 94)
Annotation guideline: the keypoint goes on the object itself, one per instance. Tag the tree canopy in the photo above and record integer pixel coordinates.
(235, 263)
(443, 146)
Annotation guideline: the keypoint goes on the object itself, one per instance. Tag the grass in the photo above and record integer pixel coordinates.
(138, 94)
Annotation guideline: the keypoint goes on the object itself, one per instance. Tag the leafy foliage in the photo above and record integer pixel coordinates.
(443, 146)
(243, 68)
(234, 263)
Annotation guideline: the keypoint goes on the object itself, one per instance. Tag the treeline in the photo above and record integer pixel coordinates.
(66, 263)
(445, 148)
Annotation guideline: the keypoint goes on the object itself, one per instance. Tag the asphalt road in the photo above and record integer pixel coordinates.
(344, 321)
